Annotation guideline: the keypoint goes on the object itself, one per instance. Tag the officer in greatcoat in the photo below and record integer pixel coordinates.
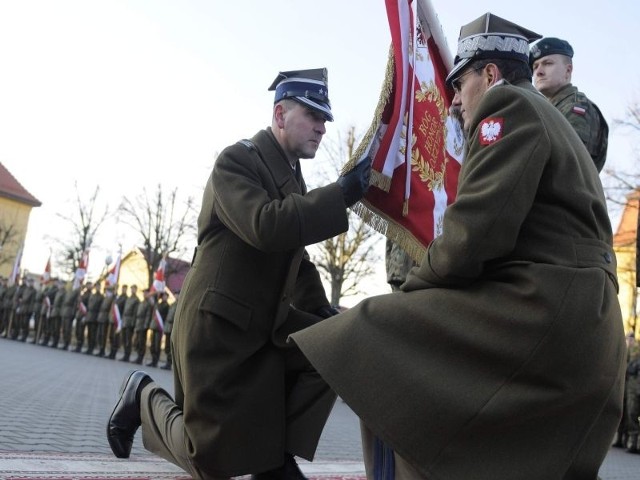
(503, 355)
(246, 401)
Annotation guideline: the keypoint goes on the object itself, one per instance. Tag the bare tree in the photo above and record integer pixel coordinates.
(85, 221)
(8, 238)
(622, 189)
(347, 259)
(161, 224)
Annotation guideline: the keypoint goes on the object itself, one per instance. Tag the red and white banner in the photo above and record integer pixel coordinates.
(117, 318)
(416, 145)
(157, 317)
(47, 303)
(159, 283)
(81, 271)
(46, 275)
(15, 271)
(114, 273)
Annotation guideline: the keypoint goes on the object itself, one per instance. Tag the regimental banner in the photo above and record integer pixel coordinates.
(416, 145)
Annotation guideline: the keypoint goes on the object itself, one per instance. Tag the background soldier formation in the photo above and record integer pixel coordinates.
(55, 314)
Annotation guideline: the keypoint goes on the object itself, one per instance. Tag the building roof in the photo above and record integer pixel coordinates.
(12, 189)
(627, 231)
(176, 272)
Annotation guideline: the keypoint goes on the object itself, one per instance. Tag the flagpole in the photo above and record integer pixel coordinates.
(428, 15)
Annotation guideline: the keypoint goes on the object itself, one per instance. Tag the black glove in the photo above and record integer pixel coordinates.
(326, 311)
(355, 183)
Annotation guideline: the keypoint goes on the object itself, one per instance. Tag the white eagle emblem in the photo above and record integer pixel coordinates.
(490, 130)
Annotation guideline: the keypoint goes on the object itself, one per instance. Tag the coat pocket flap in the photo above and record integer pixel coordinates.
(226, 307)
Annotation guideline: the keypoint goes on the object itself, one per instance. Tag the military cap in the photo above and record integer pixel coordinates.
(309, 87)
(549, 46)
(490, 36)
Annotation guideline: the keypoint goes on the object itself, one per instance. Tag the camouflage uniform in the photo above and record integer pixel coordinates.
(114, 333)
(586, 119)
(81, 316)
(69, 309)
(398, 263)
(129, 321)
(55, 321)
(38, 313)
(143, 318)
(168, 326)
(14, 322)
(93, 309)
(104, 318)
(27, 306)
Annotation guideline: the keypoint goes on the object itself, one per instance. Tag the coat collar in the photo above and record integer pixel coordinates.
(287, 179)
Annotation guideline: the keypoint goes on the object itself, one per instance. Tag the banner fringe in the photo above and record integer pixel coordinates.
(366, 144)
(390, 229)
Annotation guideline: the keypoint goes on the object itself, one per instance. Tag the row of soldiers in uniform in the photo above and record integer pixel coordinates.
(54, 313)
(628, 435)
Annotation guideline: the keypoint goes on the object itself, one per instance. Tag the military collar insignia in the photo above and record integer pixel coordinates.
(491, 130)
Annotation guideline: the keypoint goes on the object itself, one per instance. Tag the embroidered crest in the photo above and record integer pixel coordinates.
(491, 130)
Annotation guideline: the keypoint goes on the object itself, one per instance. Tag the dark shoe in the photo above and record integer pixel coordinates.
(166, 366)
(124, 359)
(152, 364)
(125, 417)
(288, 471)
(100, 353)
(78, 349)
(112, 355)
(138, 361)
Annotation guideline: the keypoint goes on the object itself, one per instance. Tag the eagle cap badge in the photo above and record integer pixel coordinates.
(491, 130)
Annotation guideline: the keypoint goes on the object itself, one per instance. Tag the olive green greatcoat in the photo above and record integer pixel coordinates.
(503, 356)
(235, 307)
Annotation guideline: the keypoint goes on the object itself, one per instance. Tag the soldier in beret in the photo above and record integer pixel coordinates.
(247, 401)
(552, 65)
(474, 370)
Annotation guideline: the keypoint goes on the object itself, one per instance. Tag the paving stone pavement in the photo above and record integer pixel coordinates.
(58, 401)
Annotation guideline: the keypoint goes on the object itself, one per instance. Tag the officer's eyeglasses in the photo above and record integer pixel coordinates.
(456, 83)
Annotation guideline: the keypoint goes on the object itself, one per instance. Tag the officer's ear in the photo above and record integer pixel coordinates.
(278, 114)
(491, 74)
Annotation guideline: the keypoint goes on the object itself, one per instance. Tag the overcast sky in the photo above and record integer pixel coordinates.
(126, 94)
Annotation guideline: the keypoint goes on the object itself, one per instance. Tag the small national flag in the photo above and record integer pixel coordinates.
(82, 308)
(157, 317)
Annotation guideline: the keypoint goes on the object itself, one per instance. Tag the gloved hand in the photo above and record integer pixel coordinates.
(326, 311)
(355, 183)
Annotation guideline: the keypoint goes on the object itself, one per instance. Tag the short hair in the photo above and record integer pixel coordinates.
(511, 70)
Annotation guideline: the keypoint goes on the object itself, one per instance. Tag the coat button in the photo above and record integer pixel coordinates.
(607, 257)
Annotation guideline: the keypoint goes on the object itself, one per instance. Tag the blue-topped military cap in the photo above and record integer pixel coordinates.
(549, 46)
(490, 36)
(309, 87)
